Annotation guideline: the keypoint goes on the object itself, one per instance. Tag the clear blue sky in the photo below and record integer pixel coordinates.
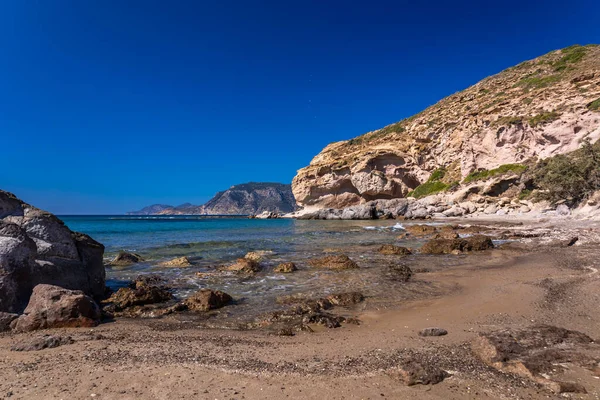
(108, 106)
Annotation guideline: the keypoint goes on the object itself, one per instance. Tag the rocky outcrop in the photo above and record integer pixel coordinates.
(207, 299)
(124, 259)
(179, 262)
(390, 249)
(37, 248)
(536, 109)
(254, 198)
(285, 268)
(450, 246)
(334, 262)
(54, 307)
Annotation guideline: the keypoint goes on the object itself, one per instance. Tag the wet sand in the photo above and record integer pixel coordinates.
(172, 359)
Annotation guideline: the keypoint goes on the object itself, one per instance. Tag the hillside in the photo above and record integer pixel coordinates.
(535, 110)
(244, 199)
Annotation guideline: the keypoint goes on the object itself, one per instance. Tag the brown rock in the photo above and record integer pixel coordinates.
(207, 299)
(146, 289)
(477, 243)
(54, 307)
(420, 230)
(335, 262)
(399, 272)
(390, 249)
(413, 372)
(286, 267)
(258, 255)
(5, 320)
(179, 262)
(244, 265)
(44, 342)
(124, 259)
(433, 332)
(450, 246)
(346, 299)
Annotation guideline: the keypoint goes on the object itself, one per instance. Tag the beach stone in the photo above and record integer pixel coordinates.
(44, 342)
(335, 262)
(433, 332)
(207, 299)
(399, 272)
(413, 372)
(123, 259)
(148, 289)
(55, 307)
(477, 243)
(179, 262)
(535, 352)
(244, 265)
(420, 230)
(37, 248)
(285, 268)
(390, 249)
(6, 319)
(451, 246)
(346, 299)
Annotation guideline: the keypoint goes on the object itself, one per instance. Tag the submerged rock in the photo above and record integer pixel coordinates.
(451, 246)
(207, 299)
(44, 342)
(286, 268)
(390, 249)
(146, 289)
(55, 307)
(537, 353)
(124, 259)
(179, 262)
(37, 248)
(335, 262)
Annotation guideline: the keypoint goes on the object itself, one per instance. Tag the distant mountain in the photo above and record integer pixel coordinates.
(150, 210)
(244, 199)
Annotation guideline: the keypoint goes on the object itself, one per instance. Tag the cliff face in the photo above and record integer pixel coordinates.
(244, 199)
(535, 110)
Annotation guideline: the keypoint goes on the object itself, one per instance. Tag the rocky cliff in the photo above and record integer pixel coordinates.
(537, 109)
(244, 199)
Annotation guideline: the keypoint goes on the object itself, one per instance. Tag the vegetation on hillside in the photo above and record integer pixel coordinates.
(433, 185)
(484, 174)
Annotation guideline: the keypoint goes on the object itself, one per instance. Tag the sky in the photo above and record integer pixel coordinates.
(108, 106)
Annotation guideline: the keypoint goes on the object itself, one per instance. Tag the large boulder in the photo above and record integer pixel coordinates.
(55, 307)
(207, 299)
(37, 248)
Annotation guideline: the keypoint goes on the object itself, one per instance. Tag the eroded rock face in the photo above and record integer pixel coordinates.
(37, 248)
(487, 125)
(55, 307)
(538, 353)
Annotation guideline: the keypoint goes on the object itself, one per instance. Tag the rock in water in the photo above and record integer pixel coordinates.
(450, 246)
(336, 262)
(285, 268)
(179, 262)
(244, 266)
(124, 259)
(390, 249)
(207, 299)
(55, 307)
(37, 248)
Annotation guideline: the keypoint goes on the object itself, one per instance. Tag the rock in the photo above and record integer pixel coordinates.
(335, 262)
(244, 266)
(44, 342)
(6, 319)
(359, 212)
(258, 255)
(412, 373)
(454, 211)
(144, 290)
(420, 230)
(124, 259)
(400, 272)
(285, 268)
(491, 209)
(450, 246)
(36, 247)
(55, 307)
(346, 299)
(524, 209)
(207, 299)
(433, 332)
(179, 262)
(563, 209)
(390, 249)
(267, 215)
(537, 352)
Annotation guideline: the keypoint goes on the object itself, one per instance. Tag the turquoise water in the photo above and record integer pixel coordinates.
(212, 242)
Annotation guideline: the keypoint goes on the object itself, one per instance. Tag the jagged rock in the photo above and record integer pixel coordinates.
(207, 299)
(144, 290)
(285, 268)
(258, 255)
(124, 259)
(359, 212)
(433, 332)
(454, 211)
(44, 342)
(411, 372)
(335, 262)
(450, 246)
(563, 209)
(420, 230)
(390, 249)
(266, 215)
(179, 262)
(6, 319)
(244, 266)
(36, 247)
(537, 353)
(55, 307)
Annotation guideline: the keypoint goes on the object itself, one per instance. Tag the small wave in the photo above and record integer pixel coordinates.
(397, 226)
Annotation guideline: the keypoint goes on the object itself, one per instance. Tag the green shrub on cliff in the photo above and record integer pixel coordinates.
(543, 118)
(571, 55)
(594, 105)
(501, 170)
(432, 186)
